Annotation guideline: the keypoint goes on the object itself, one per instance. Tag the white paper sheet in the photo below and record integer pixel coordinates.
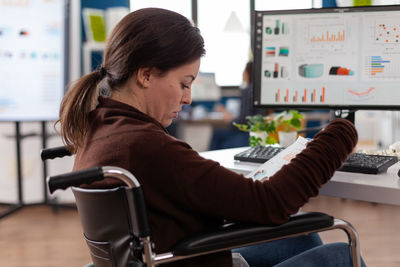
(273, 165)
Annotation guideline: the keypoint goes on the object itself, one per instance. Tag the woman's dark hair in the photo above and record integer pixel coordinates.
(149, 37)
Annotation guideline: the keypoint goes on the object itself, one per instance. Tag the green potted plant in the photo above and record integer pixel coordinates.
(287, 125)
(261, 130)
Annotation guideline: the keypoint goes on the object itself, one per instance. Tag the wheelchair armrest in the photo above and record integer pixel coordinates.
(90, 175)
(236, 234)
(54, 152)
(76, 178)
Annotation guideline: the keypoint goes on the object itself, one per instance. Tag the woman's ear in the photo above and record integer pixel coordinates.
(143, 77)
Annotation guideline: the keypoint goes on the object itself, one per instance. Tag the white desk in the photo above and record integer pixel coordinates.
(381, 188)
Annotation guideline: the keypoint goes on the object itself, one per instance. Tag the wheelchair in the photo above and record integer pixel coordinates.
(117, 231)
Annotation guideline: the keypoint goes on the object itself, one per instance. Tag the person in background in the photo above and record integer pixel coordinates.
(117, 116)
(230, 136)
(246, 100)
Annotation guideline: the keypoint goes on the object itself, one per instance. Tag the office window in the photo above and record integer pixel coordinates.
(373, 2)
(225, 27)
(286, 4)
(183, 7)
(385, 2)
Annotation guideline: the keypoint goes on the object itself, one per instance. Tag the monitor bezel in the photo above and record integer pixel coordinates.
(257, 52)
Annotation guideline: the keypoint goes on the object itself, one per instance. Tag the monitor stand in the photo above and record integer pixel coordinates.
(345, 114)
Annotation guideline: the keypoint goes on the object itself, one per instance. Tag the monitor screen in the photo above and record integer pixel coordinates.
(341, 58)
(33, 66)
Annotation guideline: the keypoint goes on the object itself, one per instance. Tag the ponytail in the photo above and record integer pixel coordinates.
(79, 100)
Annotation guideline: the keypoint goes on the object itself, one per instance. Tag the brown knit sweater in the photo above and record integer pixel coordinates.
(186, 193)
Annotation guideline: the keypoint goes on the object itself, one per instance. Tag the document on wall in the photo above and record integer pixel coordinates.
(273, 165)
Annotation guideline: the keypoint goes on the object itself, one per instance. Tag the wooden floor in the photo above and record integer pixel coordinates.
(37, 237)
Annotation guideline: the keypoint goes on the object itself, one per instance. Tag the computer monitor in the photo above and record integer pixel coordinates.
(333, 58)
(33, 59)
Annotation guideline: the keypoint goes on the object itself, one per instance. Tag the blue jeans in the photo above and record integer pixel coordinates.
(304, 251)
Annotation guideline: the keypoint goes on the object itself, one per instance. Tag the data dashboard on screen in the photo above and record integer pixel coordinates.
(344, 58)
(33, 66)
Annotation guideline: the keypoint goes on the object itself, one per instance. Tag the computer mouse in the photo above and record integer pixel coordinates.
(398, 173)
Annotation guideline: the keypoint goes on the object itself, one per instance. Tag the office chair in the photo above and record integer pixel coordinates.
(117, 230)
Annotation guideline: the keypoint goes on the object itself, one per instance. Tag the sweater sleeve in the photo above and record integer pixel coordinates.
(215, 191)
(314, 166)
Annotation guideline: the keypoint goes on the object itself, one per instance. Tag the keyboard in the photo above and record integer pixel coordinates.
(356, 162)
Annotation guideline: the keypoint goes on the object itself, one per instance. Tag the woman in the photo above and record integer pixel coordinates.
(150, 62)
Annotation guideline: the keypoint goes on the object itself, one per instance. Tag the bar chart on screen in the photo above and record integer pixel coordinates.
(329, 35)
(301, 96)
(381, 67)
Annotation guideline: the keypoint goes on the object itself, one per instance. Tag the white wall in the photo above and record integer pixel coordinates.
(378, 128)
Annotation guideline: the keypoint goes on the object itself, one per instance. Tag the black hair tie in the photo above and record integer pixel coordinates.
(103, 72)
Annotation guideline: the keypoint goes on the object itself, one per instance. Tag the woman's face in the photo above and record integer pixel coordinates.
(168, 93)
